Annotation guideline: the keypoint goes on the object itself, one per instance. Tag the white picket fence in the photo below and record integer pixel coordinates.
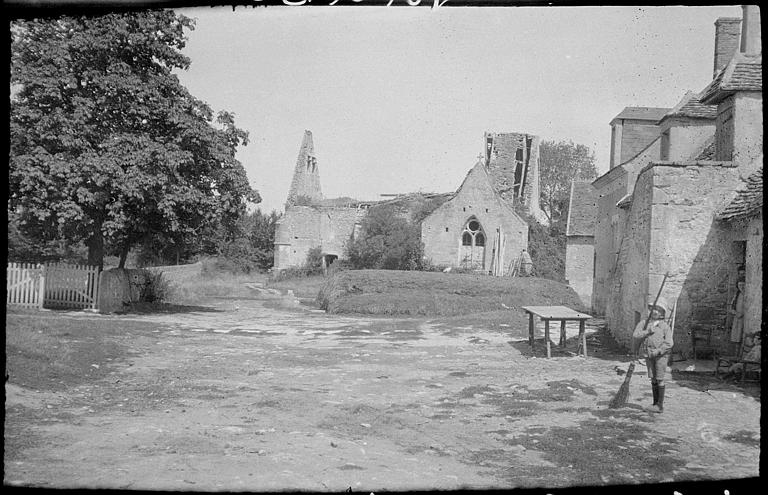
(24, 284)
(54, 285)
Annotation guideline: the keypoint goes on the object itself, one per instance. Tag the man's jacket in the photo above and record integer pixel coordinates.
(655, 341)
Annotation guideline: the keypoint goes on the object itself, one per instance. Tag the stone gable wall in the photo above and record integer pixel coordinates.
(672, 229)
(686, 141)
(476, 198)
(635, 136)
(579, 263)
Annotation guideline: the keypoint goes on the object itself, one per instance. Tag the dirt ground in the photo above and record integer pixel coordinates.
(263, 394)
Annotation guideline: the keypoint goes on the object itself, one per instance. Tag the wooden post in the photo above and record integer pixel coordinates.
(583, 336)
(530, 329)
(41, 288)
(562, 333)
(546, 337)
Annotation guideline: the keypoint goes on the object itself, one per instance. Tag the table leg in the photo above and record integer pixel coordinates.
(583, 337)
(562, 333)
(530, 329)
(546, 337)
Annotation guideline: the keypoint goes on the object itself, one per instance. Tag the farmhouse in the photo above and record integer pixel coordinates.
(683, 197)
(475, 227)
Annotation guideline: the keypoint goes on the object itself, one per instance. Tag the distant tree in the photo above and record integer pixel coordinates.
(106, 146)
(260, 230)
(386, 241)
(560, 163)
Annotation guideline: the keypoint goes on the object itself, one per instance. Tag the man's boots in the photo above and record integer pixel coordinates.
(660, 402)
(658, 399)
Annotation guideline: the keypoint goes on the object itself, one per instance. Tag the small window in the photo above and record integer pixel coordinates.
(466, 239)
(479, 239)
(486, 210)
(474, 225)
(464, 208)
(446, 229)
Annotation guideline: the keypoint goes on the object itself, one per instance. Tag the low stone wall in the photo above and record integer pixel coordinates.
(119, 287)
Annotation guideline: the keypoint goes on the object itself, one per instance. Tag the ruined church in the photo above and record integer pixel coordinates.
(477, 227)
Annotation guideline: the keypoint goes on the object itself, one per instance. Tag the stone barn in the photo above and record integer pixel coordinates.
(658, 212)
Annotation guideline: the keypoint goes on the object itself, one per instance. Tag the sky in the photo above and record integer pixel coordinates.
(398, 98)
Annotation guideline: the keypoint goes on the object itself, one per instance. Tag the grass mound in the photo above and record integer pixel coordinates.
(389, 292)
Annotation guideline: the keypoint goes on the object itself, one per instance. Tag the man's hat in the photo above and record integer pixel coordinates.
(661, 304)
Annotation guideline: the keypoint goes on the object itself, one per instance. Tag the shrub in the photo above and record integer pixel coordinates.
(386, 241)
(156, 287)
(313, 265)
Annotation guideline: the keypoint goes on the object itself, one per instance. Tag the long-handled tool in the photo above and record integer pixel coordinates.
(620, 399)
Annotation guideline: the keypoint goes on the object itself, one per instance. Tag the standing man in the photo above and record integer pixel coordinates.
(654, 343)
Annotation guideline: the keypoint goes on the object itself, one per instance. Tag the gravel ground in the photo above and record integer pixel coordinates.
(264, 394)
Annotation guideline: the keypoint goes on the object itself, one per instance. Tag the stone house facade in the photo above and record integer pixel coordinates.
(483, 231)
(580, 240)
(666, 222)
(743, 217)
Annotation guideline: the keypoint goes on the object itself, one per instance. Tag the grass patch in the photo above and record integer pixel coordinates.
(303, 287)
(54, 353)
(390, 292)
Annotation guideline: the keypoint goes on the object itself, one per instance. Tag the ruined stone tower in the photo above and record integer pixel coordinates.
(305, 186)
(512, 161)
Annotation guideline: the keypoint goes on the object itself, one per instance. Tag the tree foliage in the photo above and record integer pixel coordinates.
(386, 241)
(107, 146)
(560, 163)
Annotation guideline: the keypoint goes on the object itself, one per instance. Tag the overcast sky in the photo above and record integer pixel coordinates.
(398, 99)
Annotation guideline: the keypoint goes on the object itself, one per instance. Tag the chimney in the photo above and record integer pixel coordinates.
(750, 34)
(727, 40)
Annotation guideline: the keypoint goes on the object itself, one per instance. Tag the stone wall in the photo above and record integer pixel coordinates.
(636, 135)
(120, 287)
(748, 132)
(306, 227)
(687, 140)
(609, 227)
(672, 230)
(441, 231)
(753, 311)
(609, 190)
(579, 265)
(628, 285)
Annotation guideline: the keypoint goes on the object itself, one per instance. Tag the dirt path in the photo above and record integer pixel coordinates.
(263, 395)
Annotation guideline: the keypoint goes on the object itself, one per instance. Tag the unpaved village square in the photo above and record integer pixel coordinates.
(262, 394)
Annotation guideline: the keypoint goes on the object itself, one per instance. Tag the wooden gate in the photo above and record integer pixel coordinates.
(71, 286)
(24, 284)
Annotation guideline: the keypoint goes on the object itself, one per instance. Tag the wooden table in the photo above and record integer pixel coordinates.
(557, 313)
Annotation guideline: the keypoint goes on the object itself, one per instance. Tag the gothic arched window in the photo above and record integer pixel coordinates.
(473, 244)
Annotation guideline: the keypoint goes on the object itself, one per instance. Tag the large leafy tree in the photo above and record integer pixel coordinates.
(107, 147)
(560, 163)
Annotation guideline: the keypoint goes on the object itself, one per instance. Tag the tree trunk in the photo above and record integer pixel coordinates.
(123, 257)
(96, 249)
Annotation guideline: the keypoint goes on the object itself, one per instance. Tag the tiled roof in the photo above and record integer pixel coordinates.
(743, 73)
(690, 106)
(642, 113)
(582, 210)
(748, 201)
